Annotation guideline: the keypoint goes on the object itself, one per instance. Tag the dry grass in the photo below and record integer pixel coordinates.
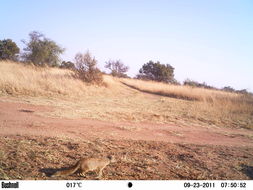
(20, 79)
(210, 106)
(73, 98)
(36, 158)
(182, 92)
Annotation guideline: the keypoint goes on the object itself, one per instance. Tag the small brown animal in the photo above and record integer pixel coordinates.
(85, 165)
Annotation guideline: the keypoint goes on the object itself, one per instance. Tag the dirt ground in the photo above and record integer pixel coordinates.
(34, 146)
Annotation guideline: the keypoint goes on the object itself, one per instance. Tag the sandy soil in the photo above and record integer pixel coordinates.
(17, 118)
(32, 146)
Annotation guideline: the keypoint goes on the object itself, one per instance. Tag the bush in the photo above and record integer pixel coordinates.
(86, 68)
(118, 69)
(67, 65)
(157, 72)
(8, 50)
(193, 83)
(243, 91)
(228, 89)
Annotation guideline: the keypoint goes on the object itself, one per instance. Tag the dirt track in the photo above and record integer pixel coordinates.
(32, 146)
(23, 119)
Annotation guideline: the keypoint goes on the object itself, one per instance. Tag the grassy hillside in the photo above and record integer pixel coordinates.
(181, 92)
(19, 79)
(124, 99)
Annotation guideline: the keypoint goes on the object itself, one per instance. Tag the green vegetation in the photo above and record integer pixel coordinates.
(157, 72)
(41, 50)
(8, 50)
(67, 65)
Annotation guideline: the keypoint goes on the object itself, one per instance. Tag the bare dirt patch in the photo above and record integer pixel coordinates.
(36, 157)
(13, 122)
(33, 146)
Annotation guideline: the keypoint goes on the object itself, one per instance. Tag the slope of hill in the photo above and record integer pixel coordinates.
(124, 99)
(49, 119)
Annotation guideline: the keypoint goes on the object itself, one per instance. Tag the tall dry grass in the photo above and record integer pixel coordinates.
(73, 98)
(206, 105)
(20, 79)
(181, 92)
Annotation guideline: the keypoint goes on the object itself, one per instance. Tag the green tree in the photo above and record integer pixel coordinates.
(8, 50)
(41, 50)
(86, 68)
(117, 68)
(67, 65)
(157, 72)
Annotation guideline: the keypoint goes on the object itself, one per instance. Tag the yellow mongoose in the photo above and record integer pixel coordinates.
(85, 165)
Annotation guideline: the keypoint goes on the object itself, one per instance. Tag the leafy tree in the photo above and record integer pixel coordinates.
(117, 68)
(8, 49)
(86, 68)
(157, 72)
(41, 50)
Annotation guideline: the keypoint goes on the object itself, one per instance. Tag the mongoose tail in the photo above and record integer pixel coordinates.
(67, 172)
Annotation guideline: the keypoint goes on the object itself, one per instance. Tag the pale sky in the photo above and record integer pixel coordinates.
(208, 41)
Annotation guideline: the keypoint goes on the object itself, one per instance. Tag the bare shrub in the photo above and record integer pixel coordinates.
(86, 68)
(118, 69)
